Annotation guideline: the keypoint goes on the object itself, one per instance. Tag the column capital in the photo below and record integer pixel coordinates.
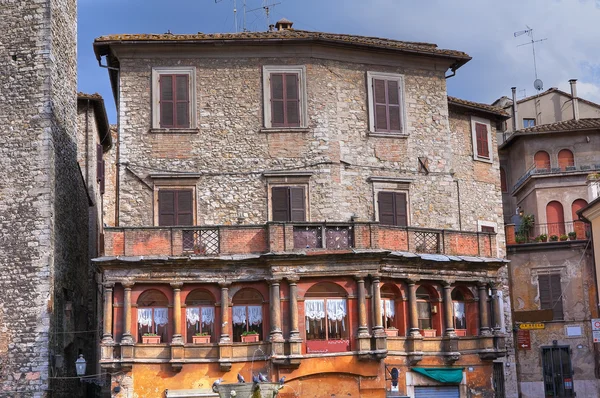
(292, 279)
(127, 284)
(446, 284)
(274, 280)
(176, 285)
(494, 285)
(482, 285)
(360, 278)
(412, 281)
(108, 285)
(224, 284)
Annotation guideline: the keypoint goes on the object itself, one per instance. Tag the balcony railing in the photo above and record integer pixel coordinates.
(277, 237)
(546, 169)
(539, 233)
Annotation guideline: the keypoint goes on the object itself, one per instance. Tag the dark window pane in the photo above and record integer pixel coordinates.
(381, 117)
(183, 117)
(166, 88)
(182, 87)
(277, 113)
(394, 118)
(166, 114)
(393, 97)
(276, 86)
(293, 117)
(291, 86)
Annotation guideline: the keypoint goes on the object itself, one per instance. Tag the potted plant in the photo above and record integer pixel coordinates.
(429, 332)
(150, 338)
(520, 238)
(461, 332)
(201, 338)
(527, 223)
(543, 237)
(572, 235)
(250, 337)
(391, 332)
(563, 237)
(199, 249)
(553, 238)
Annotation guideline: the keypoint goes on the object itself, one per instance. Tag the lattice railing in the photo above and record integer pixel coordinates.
(427, 242)
(203, 241)
(333, 237)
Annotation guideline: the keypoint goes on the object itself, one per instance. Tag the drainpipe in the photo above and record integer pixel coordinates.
(515, 111)
(458, 197)
(87, 145)
(574, 100)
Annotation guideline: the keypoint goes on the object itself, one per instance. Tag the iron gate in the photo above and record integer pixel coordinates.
(558, 373)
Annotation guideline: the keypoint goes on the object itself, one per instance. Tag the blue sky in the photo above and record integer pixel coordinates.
(482, 28)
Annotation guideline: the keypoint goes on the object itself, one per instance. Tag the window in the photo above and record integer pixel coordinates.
(174, 98)
(528, 123)
(284, 96)
(388, 307)
(386, 103)
(482, 139)
(199, 314)
(175, 207)
(565, 159)
(551, 294)
(424, 308)
(247, 314)
(459, 310)
(100, 168)
(153, 314)
(326, 318)
(555, 218)
(392, 208)
(503, 182)
(288, 204)
(542, 160)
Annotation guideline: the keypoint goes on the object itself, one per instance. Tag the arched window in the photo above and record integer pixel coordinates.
(555, 218)
(247, 314)
(460, 310)
(199, 314)
(388, 308)
(565, 159)
(326, 314)
(580, 228)
(153, 315)
(542, 160)
(424, 308)
(577, 205)
(503, 182)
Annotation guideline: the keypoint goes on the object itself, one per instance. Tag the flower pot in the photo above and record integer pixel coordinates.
(429, 333)
(251, 338)
(391, 332)
(544, 239)
(201, 339)
(461, 332)
(151, 339)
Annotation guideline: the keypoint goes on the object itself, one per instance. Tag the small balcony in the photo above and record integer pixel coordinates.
(545, 169)
(309, 237)
(550, 232)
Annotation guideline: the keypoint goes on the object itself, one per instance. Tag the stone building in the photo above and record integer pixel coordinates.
(543, 173)
(306, 205)
(47, 303)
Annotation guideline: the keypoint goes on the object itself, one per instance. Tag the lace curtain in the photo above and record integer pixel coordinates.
(239, 314)
(459, 310)
(161, 316)
(192, 315)
(336, 309)
(314, 309)
(387, 308)
(255, 314)
(208, 315)
(145, 316)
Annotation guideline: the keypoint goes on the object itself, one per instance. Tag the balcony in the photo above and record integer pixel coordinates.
(551, 232)
(308, 237)
(547, 170)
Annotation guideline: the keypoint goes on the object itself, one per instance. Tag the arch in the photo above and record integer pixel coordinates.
(541, 160)
(326, 289)
(200, 297)
(247, 314)
(152, 315)
(580, 228)
(464, 310)
(503, 182)
(152, 298)
(577, 205)
(248, 295)
(555, 218)
(565, 159)
(392, 310)
(390, 290)
(199, 315)
(326, 318)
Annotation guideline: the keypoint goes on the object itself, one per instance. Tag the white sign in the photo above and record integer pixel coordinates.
(573, 331)
(596, 324)
(596, 335)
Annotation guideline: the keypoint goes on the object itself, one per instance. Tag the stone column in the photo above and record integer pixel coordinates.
(177, 337)
(378, 324)
(276, 333)
(363, 327)
(127, 337)
(225, 312)
(448, 310)
(495, 308)
(107, 337)
(294, 330)
(413, 316)
(484, 323)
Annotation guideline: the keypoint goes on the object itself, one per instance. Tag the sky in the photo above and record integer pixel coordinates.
(482, 28)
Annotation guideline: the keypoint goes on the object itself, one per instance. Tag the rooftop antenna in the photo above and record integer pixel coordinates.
(267, 8)
(235, 14)
(537, 84)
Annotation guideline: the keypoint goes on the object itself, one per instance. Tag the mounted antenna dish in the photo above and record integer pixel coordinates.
(538, 84)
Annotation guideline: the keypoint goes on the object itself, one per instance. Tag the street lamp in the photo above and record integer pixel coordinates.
(80, 365)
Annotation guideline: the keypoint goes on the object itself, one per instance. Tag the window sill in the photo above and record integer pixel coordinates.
(386, 135)
(483, 160)
(285, 130)
(174, 131)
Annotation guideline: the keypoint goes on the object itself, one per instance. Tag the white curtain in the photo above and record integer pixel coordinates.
(314, 309)
(459, 310)
(255, 314)
(239, 314)
(387, 308)
(208, 315)
(145, 316)
(336, 309)
(192, 315)
(161, 316)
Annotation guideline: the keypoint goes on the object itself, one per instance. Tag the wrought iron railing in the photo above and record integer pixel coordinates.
(323, 236)
(203, 241)
(545, 169)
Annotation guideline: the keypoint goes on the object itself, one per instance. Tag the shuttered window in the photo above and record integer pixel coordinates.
(392, 208)
(481, 138)
(100, 175)
(288, 204)
(174, 101)
(285, 100)
(386, 98)
(550, 294)
(175, 207)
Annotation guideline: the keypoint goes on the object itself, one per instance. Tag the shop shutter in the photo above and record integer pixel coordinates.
(437, 392)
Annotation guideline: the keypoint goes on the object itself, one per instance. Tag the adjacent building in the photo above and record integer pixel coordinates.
(302, 204)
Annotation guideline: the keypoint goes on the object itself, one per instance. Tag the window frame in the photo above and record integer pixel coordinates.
(529, 120)
(210, 304)
(396, 185)
(478, 120)
(267, 70)
(428, 301)
(394, 205)
(399, 78)
(549, 275)
(174, 186)
(190, 71)
(326, 320)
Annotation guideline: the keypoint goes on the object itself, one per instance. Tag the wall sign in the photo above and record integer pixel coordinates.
(532, 326)
(523, 340)
(596, 324)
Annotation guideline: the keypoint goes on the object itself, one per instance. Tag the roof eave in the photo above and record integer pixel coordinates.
(481, 110)
(101, 119)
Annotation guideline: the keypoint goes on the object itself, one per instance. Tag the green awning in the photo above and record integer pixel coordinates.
(443, 375)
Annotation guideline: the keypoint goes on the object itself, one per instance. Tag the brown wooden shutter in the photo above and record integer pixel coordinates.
(184, 208)
(379, 99)
(297, 201)
(400, 209)
(556, 293)
(393, 97)
(280, 203)
(277, 100)
(285, 100)
(386, 208)
(167, 100)
(292, 97)
(182, 101)
(166, 207)
(102, 177)
(482, 140)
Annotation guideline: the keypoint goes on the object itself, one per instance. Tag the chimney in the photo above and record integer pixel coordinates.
(283, 24)
(515, 113)
(574, 100)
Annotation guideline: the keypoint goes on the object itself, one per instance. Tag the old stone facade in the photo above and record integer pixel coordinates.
(236, 253)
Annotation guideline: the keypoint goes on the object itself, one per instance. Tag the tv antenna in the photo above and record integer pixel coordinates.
(537, 84)
(267, 8)
(235, 22)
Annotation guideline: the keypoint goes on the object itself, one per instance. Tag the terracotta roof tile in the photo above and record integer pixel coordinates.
(477, 106)
(287, 34)
(567, 125)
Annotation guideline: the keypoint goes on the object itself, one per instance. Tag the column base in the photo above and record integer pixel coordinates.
(177, 340)
(127, 339)
(225, 339)
(277, 336)
(450, 333)
(415, 333)
(107, 339)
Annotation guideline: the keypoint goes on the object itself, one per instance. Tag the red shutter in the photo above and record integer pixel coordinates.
(400, 209)
(556, 296)
(167, 115)
(166, 208)
(297, 201)
(184, 208)
(481, 136)
(385, 202)
(280, 203)
(285, 100)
